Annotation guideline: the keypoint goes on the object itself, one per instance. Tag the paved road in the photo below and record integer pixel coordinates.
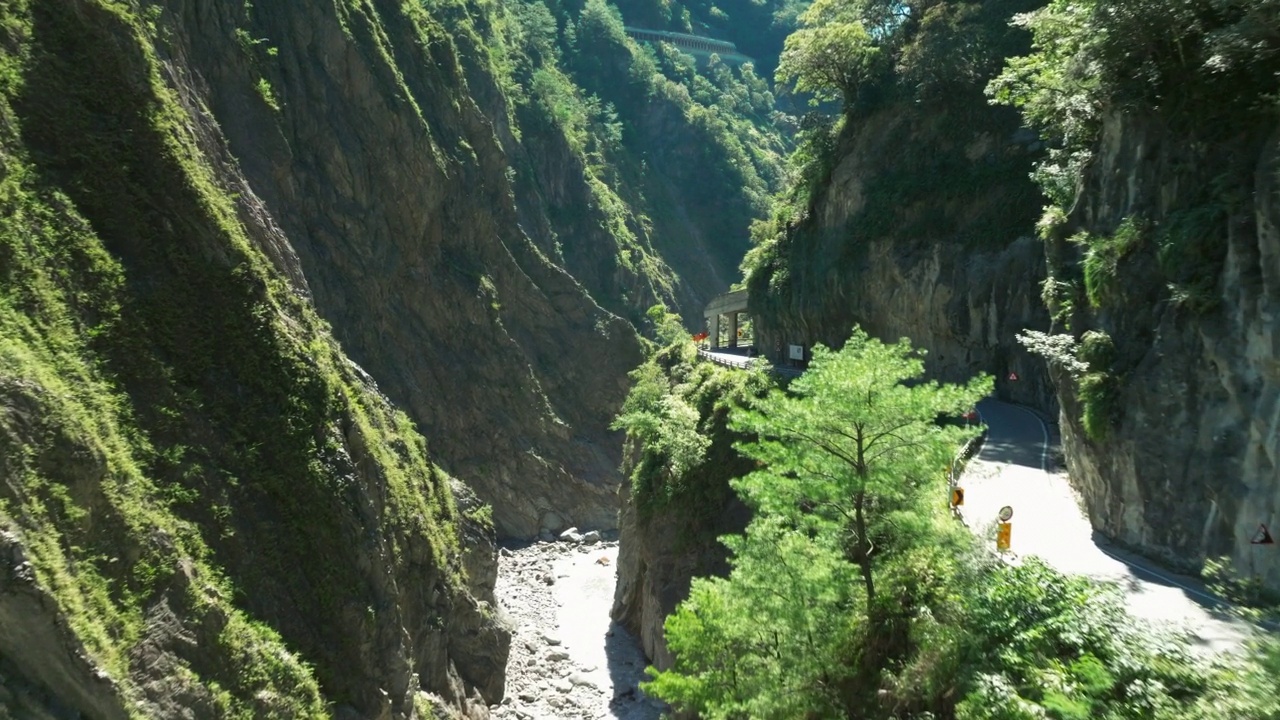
(1048, 522)
(730, 359)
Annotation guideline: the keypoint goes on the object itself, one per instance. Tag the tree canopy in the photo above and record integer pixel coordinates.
(854, 594)
(831, 54)
(851, 463)
(854, 447)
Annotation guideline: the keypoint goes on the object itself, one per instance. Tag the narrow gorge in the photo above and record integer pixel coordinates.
(346, 371)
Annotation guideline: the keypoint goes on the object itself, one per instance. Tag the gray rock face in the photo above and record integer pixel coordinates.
(1189, 471)
(356, 572)
(959, 277)
(385, 173)
(658, 557)
(41, 661)
(480, 544)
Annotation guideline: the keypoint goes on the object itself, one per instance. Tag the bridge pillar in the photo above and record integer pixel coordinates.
(713, 330)
(733, 329)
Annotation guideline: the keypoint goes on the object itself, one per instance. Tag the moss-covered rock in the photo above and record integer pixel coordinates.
(673, 513)
(207, 508)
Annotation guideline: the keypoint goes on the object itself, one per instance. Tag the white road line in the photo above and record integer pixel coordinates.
(1141, 569)
(1133, 567)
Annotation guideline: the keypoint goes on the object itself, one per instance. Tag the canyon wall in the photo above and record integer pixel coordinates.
(1184, 466)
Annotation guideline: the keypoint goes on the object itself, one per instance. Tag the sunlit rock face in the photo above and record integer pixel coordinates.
(923, 232)
(1188, 469)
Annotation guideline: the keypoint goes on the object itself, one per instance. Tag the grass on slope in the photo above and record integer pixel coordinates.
(169, 408)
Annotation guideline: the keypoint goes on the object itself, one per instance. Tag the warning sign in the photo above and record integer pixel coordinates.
(957, 496)
(1002, 536)
(1013, 376)
(1262, 537)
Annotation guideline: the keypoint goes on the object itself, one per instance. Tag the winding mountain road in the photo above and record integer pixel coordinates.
(1012, 469)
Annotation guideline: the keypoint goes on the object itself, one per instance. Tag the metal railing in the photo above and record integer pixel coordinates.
(966, 452)
(741, 363)
(956, 469)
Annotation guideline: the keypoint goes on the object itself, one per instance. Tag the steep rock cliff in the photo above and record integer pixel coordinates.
(912, 215)
(206, 509)
(920, 231)
(1185, 465)
(389, 178)
(659, 555)
(672, 518)
(1162, 255)
(459, 222)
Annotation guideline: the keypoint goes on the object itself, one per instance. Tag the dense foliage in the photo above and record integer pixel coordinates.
(934, 158)
(174, 417)
(1196, 82)
(1203, 74)
(757, 27)
(656, 135)
(854, 594)
(1207, 66)
(679, 445)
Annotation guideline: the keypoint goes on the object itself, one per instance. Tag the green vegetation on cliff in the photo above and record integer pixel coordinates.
(854, 594)
(1195, 84)
(679, 159)
(1203, 72)
(917, 156)
(680, 449)
(216, 501)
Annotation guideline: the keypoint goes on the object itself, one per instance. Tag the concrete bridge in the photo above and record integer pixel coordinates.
(702, 48)
(724, 316)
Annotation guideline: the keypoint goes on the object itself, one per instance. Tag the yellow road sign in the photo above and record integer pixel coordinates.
(957, 496)
(1002, 536)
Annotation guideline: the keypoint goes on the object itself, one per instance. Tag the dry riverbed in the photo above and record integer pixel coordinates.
(568, 659)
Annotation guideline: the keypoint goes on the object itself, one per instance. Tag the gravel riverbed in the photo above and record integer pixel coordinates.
(568, 659)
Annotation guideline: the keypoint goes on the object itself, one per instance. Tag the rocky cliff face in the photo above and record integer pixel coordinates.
(920, 232)
(659, 556)
(671, 521)
(383, 161)
(1185, 468)
(444, 216)
(206, 207)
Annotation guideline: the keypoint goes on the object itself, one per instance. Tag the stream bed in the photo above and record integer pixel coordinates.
(568, 659)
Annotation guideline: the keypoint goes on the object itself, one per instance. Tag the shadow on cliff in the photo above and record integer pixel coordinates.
(626, 671)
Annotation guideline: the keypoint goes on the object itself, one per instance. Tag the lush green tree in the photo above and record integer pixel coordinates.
(663, 423)
(772, 639)
(831, 55)
(902, 613)
(851, 463)
(854, 447)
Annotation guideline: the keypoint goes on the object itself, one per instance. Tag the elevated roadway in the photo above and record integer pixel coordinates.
(699, 46)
